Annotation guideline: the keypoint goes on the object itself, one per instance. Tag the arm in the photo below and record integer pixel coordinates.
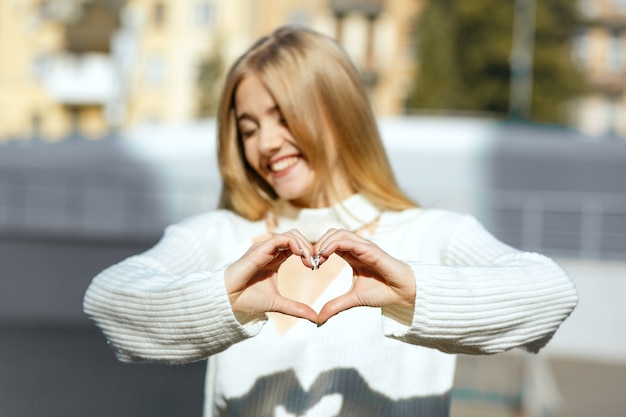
(168, 304)
(486, 297)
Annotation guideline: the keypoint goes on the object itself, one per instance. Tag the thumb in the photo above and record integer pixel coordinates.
(293, 308)
(337, 305)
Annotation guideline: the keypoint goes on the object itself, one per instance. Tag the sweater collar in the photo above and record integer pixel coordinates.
(351, 214)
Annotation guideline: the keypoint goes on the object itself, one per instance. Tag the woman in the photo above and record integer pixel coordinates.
(319, 288)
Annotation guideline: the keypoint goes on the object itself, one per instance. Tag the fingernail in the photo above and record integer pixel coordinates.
(315, 260)
(321, 251)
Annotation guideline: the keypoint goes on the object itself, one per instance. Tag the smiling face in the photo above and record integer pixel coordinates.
(329, 147)
(269, 147)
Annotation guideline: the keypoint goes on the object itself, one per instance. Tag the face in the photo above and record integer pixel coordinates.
(269, 146)
(273, 152)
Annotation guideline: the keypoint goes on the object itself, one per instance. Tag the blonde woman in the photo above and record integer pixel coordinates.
(319, 288)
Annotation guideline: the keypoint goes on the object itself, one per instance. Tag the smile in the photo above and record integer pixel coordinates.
(283, 164)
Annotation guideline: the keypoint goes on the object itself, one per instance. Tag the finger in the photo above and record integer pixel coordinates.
(305, 248)
(323, 248)
(336, 234)
(296, 309)
(337, 305)
(350, 247)
(324, 238)
(333, 234)
(289, 242)
(306, 251)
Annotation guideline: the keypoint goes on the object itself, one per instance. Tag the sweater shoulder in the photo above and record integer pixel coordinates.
(209, 218)
(419, 234)
(221, 220)
(216, 238)
(432, 220)
(219, 228)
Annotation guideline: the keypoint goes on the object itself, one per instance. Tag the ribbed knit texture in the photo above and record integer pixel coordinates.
(486, 297)
(474, 295)
(167, 304)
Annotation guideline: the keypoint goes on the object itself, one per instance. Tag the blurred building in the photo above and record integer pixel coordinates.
(87, 67)
(58, 73)
(84, 67)
(600, 52)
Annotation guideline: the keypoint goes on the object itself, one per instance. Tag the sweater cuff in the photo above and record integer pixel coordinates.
(242, 325)
(397, 321)
(413, 325)
(251, 323)
(185, 323)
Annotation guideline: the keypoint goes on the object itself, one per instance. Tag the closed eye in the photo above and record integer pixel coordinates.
(246, 133)
(246, 126)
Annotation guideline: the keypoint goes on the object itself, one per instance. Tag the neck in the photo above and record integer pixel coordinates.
(352, 213)
(337, 189)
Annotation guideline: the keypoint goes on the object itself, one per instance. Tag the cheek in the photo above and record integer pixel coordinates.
(251, 154)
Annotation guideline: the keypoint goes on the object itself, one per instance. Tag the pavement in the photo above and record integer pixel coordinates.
(69, 371)
(517, 384)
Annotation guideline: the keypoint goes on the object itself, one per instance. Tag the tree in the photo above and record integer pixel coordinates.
(209, 82)
(464, 52)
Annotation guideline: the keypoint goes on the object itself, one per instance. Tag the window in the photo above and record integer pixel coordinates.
(155, 71)
(35, 124)
(45, 9)
(41, 66)
(588, 8)
(298, 18)
(158, 14)
(619, 5)
(581, 48)
(616, 115)
(203, 14)
(152, 117)
(615, 52)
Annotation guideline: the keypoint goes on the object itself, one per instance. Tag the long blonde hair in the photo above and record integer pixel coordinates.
(320, 95)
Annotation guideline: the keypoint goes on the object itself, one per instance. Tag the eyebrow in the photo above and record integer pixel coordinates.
(247, 116)
(244, 116)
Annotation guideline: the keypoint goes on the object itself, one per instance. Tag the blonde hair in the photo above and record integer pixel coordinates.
(320, 95)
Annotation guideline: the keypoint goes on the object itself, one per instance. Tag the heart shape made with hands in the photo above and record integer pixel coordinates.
(298, 282)
(269, 277)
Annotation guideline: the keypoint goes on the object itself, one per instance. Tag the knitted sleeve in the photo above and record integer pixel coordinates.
(168, 304)
(486, 297)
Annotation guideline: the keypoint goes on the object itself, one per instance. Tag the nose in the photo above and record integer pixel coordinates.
(270, 139)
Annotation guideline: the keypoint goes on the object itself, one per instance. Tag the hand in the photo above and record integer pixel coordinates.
(251, 281)
(379, 279)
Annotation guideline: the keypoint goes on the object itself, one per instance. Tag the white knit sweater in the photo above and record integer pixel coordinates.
(474, 295)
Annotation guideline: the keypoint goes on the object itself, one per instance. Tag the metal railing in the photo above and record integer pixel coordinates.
(96, 205)
(132, 205)
(574, 224)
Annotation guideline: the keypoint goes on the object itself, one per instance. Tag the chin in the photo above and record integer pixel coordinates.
(296, 199)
